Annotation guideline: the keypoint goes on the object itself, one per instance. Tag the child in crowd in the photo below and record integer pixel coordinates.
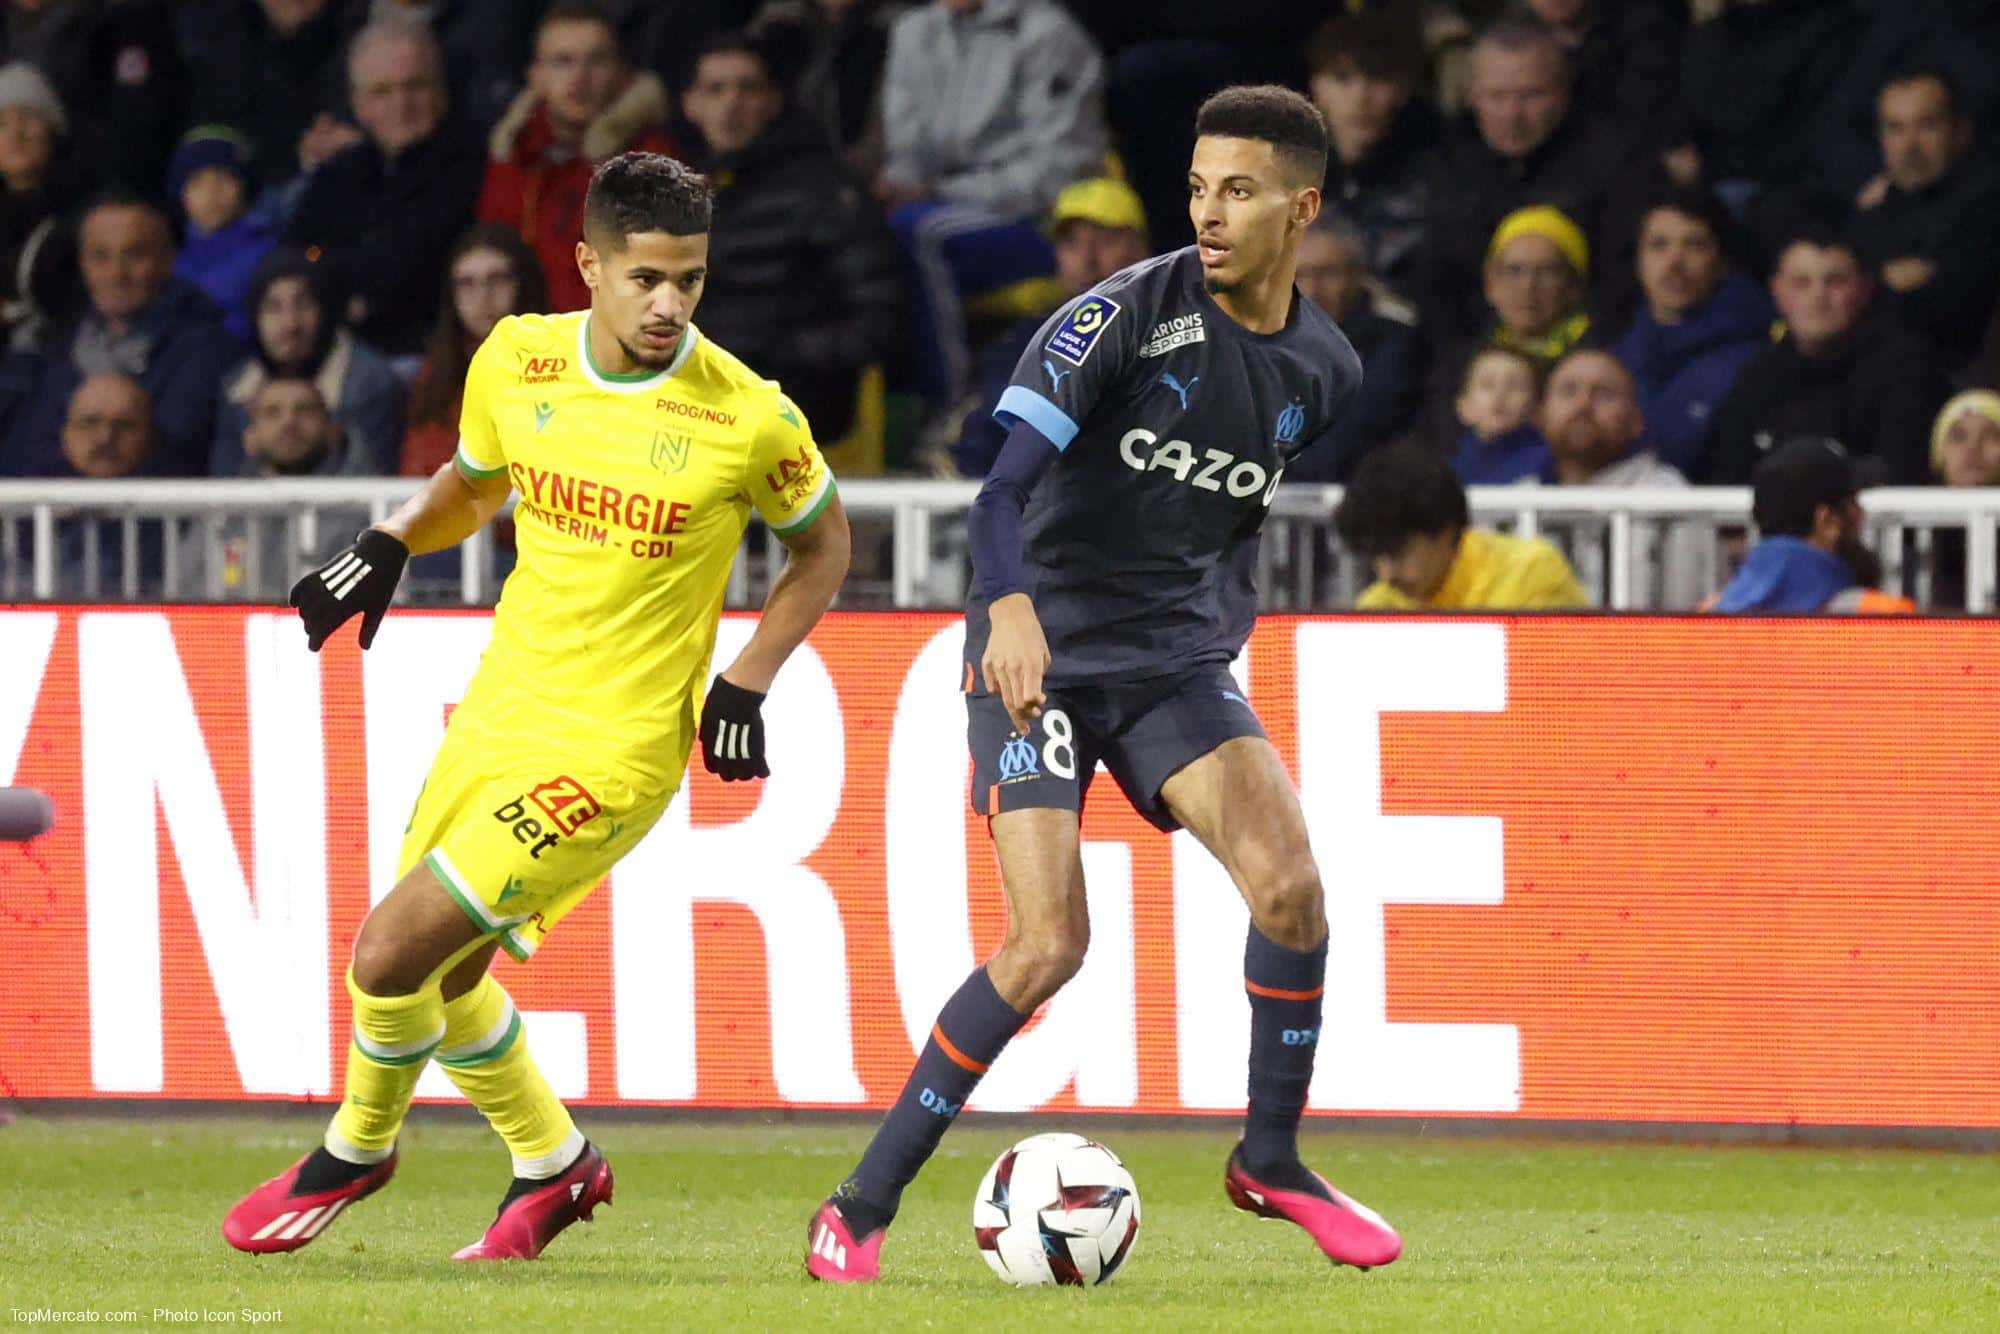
(225, 240)
(1498, 442)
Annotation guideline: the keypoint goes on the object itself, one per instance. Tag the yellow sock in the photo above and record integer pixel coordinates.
(393, 1037)
(486, 1055)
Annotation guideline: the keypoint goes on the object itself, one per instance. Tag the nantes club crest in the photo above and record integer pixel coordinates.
(670, 452)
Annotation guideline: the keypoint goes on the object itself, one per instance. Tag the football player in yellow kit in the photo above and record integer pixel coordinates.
(638, 450)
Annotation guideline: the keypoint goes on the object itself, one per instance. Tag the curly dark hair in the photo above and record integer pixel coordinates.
(645, 192)
(1276, 115)
(1398, 492)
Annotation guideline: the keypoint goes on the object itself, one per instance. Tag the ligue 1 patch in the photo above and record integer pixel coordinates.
(1080, 329)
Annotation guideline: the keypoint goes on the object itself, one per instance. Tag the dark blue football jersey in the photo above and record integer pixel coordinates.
(1175, 424)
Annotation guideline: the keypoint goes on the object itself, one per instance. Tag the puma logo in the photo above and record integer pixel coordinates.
(1181, 391)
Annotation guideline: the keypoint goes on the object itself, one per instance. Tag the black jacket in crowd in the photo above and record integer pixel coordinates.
(1386, 193)
(1627, 69)
(1386, 404)
(118, 71)
(1876, 392)
(43, 218)
(1756, 82)
(384, 227)
(1950, 223)
(487, 45)
(1586, 169)
(1960, 37)
(269, 85)
(802, 276)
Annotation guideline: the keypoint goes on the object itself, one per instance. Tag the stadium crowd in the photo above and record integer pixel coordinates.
(1606, 242)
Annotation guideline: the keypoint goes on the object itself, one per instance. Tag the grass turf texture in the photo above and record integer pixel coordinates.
(709, 1231)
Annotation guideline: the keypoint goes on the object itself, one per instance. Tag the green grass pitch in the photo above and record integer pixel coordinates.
(708, 1232)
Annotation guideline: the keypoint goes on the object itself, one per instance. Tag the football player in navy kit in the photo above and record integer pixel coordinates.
(1114, 547)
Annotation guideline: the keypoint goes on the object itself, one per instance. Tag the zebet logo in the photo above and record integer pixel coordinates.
(566, 804)
(1214, 470)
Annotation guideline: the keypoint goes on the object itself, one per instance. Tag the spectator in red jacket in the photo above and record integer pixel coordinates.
(583, 104)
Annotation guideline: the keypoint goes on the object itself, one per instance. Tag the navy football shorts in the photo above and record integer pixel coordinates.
(1144, 732)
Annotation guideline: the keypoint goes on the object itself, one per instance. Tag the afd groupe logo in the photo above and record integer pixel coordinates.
(1212, 470)
(543, 370)
(1018, 761)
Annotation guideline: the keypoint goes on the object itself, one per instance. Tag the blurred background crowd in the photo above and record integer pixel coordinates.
(1604, 242)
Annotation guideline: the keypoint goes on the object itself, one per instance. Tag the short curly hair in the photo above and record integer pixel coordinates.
(1398, 492)
(645, 192)
(1279, 117)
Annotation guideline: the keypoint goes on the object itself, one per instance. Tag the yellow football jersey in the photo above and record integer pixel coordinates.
(1492, 572)
(634, 491)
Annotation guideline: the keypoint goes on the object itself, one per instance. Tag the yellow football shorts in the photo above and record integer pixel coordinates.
(519, 839)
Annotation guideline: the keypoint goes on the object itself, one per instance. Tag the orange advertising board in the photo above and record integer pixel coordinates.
(1577, 868)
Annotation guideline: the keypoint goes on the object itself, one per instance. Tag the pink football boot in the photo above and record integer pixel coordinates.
(272, 1218)
(832, 1253)
(528, 1223)
(1349, 1232)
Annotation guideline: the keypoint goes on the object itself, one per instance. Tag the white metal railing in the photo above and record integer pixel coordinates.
(1616, 537)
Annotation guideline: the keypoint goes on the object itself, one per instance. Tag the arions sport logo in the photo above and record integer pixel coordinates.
(543, 370)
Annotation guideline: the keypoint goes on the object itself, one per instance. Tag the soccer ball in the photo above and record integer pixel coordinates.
(1056, 1208)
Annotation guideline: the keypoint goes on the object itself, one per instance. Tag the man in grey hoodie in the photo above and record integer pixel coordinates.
(990, 107)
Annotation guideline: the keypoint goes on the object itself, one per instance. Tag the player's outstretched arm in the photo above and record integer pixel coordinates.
(451, 507)
(361, 580)
(819, 554)
(732, 728)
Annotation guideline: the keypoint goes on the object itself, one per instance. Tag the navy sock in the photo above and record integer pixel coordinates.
(970, 1032)
(1287, 988)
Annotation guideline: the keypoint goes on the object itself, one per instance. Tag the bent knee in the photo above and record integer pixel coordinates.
(1049, 959)
(1289, 905)
(382, 968)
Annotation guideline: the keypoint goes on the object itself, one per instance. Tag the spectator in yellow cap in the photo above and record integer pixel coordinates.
(1537, 263)
(1965, 451)
(1536, 266)
(1965, 440)
(1097, 227)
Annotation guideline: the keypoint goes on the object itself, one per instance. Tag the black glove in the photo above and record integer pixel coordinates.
(360, 579)
(732, 733)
